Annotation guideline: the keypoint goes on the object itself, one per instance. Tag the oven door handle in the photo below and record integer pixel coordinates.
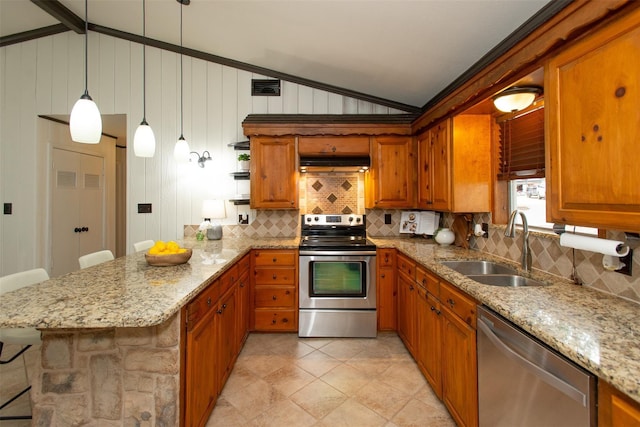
(338, 253)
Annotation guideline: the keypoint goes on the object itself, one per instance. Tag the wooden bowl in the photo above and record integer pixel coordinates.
(169, 259)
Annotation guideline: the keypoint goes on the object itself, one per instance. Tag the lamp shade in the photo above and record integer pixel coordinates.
(85, 123)
(516, 98)
(181, 151)
(144, 141)
(213, 209)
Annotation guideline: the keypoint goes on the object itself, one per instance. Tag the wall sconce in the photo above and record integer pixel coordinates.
(516, 98)
(201, 159)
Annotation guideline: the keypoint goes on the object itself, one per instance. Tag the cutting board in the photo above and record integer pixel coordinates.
(462, 228)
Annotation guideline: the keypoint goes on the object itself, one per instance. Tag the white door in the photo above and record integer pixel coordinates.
(78, 209)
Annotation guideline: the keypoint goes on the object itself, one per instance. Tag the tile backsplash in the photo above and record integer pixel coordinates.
(331, 193)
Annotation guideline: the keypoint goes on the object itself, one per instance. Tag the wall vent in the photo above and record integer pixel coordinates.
(265, 87)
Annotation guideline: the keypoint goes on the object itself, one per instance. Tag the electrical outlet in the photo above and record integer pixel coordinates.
(387, 218)
(243, 219)
(8, 208)
(628, 262)
(144, 207)
(485, 229)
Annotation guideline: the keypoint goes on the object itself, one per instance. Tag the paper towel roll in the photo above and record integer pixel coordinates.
(593, 244)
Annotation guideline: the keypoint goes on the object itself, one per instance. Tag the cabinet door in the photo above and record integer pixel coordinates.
(430, 342)
(440, 136)
(459, 369)
(242, 314)
(274, 178)
(200, 371)
(407, 322)
(425, 178)
(227, 338)
(592, 96)
(391, 179)
(615, 409)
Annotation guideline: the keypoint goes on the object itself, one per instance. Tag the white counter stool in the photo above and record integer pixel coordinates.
(19, 336)
(95, 258)
(143, 245)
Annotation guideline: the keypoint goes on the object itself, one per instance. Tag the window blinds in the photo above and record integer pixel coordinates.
(521, 147)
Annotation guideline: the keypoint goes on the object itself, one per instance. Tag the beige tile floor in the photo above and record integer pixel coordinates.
(283, 380)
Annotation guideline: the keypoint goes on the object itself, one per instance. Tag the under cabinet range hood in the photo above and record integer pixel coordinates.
(334, 163)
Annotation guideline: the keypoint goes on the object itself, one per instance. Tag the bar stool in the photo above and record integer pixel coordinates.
(143, 245)
(95, 258)
(20, 336)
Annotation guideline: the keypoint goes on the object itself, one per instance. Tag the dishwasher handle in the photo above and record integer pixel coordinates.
(545, 376)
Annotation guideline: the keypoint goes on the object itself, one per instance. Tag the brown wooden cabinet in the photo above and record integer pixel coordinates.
(430, 329)
(459, 359)
(274, 178)
(387, 289)
(592, 96)
(244, 307)
(615, 409)
(407, 306)
(226, 351)
(390, 183)
(333, 146)
(454, 165)
(274, 294)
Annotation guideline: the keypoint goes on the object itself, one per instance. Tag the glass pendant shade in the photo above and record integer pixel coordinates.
(144, 141)
(85, 122)
(181, 150)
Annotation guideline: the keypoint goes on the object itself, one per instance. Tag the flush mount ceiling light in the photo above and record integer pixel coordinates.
(516, 98)
(85, 123)
(201, 159)
(181, 151)
(144, 141)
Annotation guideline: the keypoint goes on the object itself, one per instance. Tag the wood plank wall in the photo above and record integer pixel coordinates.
(46, 77)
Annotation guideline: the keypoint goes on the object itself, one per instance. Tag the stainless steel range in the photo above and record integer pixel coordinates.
(337, 277)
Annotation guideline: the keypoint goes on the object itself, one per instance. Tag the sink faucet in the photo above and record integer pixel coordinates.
(510, 231)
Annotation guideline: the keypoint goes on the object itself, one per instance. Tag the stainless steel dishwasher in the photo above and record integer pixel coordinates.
(522, 382)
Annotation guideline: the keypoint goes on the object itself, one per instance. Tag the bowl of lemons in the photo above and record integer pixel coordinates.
(165, 254)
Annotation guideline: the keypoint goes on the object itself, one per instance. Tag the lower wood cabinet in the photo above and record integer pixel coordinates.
(615, 409)
(387, 289)
(274, 290)
(407, 298)
(244, 299)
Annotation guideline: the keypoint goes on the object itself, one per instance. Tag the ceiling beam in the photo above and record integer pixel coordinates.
(62, 14)
(32, 34)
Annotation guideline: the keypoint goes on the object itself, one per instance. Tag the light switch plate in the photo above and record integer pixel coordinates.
(144, 207)
(8, 208)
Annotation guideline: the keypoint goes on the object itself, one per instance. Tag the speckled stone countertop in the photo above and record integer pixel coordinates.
(125, 292)
(597, 331)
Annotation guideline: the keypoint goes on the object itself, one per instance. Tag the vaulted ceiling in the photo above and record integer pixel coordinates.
(405, 52)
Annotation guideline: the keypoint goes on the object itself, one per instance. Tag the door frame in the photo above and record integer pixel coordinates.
(53, 134)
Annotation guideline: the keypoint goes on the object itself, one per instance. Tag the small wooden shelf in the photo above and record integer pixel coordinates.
(240, 175)
(241, 145)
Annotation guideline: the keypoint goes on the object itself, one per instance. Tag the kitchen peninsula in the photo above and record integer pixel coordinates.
(112, 333)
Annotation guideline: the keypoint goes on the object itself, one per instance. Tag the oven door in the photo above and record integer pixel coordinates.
(338, 280)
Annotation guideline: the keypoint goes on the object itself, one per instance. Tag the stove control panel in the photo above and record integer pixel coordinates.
(337, 220)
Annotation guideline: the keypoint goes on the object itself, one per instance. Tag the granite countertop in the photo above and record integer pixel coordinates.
(598, 331)
(126, 292)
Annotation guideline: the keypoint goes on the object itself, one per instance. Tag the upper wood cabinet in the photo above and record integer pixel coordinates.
(454, 165)
(333, 145)
(391, 181)
(274, 178)
(592, 96)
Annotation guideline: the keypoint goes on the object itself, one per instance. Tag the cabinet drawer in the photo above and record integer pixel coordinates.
(406, 266)
(275, 276)
(244, 264)
(228, 279)
(267, 296)
(386, 257)
(459, 303)
(202, 304)
(428, 280)
(275, 320)
(274, 257)
(335, 146)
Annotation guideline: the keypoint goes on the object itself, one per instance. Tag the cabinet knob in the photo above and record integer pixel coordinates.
(274, 297)
(382, 275)
(242, 284)
(224, 306)
(209, 302)
(451, 302)
(274, 277)
(274, 259)
(273, 322)
(287, 292)
(410, 287)
(219, 311)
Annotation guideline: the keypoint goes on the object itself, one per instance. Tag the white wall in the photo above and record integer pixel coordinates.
(46, 76)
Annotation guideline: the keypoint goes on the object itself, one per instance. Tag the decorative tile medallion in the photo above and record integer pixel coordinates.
(346, 185)
(332, 198)
(317, 185)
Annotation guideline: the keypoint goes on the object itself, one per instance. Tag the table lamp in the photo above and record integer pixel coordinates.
(213, 210)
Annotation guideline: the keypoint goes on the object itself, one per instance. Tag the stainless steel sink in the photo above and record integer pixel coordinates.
(507, 280)
(479, 267)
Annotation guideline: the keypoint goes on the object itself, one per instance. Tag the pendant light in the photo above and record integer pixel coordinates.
(181, 151)
(144, 141)
(85, 122)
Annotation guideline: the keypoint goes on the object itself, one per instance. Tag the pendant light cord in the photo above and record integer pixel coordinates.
(86, 47)
(181, 79)
(144, 63)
